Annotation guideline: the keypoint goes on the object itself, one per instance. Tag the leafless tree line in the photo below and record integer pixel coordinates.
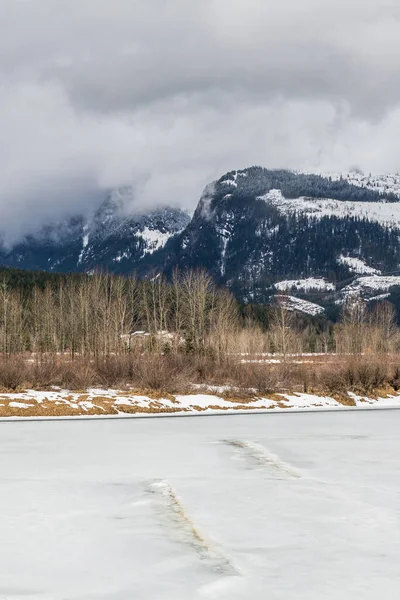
(93, 318)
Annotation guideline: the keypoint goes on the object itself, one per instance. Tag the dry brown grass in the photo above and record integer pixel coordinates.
(159, 376)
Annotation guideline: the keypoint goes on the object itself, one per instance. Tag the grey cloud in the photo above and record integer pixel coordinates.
(167, 94)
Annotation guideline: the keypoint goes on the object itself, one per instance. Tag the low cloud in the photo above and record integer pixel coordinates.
(168, 95)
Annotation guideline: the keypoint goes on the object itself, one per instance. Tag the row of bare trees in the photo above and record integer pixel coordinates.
(360, 330)
(92, 316)
(95, 316)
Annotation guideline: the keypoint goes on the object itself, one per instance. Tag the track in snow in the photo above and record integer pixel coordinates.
(186, 531)
(260, 455)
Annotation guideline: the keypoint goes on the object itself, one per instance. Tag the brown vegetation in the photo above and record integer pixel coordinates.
(76, 334)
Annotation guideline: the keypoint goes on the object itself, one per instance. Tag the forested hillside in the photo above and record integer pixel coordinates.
(254, 230)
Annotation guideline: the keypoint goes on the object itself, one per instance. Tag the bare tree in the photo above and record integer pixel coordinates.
(282, 327)
(350, 333)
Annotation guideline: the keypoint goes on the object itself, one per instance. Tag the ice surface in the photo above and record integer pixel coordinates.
(279, 506)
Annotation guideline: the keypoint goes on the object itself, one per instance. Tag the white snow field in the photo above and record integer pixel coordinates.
(277, 506)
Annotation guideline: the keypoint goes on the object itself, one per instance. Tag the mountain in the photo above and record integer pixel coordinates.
(112, 239)
(261, 232)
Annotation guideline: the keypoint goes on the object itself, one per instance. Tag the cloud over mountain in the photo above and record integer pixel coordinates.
(168, 94)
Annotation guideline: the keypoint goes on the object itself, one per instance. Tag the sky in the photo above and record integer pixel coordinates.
(168, 95)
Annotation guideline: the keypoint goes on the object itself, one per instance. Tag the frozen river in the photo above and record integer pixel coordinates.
(277, 506)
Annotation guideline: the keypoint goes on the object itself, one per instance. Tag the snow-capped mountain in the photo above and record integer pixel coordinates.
(261, 232)
(113, 239)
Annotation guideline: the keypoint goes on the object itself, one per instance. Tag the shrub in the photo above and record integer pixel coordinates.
(168, 375)
(361, 376)
(77, 375)
(258, 376)
(114, 370)
(44, 375)
(12, 373)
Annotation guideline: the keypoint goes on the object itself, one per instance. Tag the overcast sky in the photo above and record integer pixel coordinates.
(170, 94)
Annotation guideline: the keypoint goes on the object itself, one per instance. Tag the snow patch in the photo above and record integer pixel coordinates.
(356, 265)
(386, 214)
(20, 405)
(154, 239)
(85, 242)
(298, 305)
(311, 283)
(121, 256)
(383, 184)
(369, 285)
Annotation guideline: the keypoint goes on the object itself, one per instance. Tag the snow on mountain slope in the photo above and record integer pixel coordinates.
(384, 213)
(155, 239)
(383, 184)
(123, 240)
(244, 243)
(305, 285)
(370, 285)
(117, 237)
(298, 305)
(356, 265)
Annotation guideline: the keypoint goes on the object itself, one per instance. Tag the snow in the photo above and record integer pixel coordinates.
(89, 405)
(229, 182)
(311, 283)
(379, 297)
(121, 256)
(296, 304)
(384, 183)
(298, 401)
(154, 239)
(224, 232)
(206, 402)
(356, 265)
(85, 242)
(368, 285)
(283, 506)
(384, 213)
(203, 400)
(19, 405)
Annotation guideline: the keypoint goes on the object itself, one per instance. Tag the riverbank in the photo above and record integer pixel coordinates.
(110, 402)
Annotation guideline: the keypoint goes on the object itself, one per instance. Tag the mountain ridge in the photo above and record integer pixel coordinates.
(253, 230)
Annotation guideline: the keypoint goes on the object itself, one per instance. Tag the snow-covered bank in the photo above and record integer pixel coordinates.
(99, 402)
